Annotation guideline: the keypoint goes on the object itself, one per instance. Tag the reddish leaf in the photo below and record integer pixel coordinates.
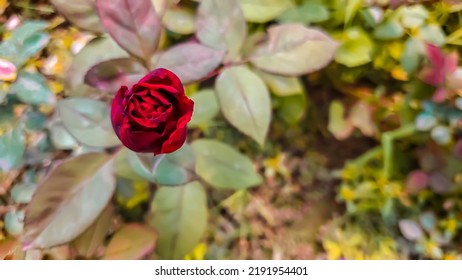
(134, 25)
(439, 182)
(191, 61)
(416, 181)
(131, 242)
(434, 75)
(441, 65)
(80, 12)
(440, 95)
(112, 74)
(458, 149)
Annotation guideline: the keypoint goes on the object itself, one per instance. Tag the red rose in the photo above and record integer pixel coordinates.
(152, 115)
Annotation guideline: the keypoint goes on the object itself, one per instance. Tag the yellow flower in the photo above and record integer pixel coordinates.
(198, 253)
(333, 250)
(347, 194)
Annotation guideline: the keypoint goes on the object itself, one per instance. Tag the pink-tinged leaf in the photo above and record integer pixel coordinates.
(221, 25)
(416, 181)
(440, 95)
(7, 247)
(112, 74)
(8, 71)
(134, 25)
(411, 230)
(458, 149)
(81, 13)
(441, 66)
(361, 117)
(191, 61)
(439, 182)
(451, 62)
(293, 49)
(131, 242)
(68, 200)
(435, 74)
(435, 55)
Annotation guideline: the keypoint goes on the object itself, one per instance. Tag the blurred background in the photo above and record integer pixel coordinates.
(322, 129)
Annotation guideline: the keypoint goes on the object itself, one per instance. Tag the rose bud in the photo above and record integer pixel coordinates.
(152, 115)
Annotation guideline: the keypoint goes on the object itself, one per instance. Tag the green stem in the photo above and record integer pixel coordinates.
(388, 139)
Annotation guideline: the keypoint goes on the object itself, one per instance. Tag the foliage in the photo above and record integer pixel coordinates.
(321, 129)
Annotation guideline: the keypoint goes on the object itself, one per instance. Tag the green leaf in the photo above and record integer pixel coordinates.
(176, 168)
(3, 93)
(389, 30)
(180, 20)
(262, 11)
(134, 25)
(293, 49)
(413, 16)
(179, 215)
(340, 127)
(22, 193)
(12, 147)
(414, 51)
(351, 9)
(221, 25)
(7, 117)
(372, 15)
(356, 48)
(292, 108)
(245, 101)
(32, 88)
(143, 164)
(35, 121)
(190, 61)
(131, 242)
(14, 222)
(169, 169)
(25, 42)
(98, 50)
(306, 13)
(205, 107)
(162, 5)
(282, 85)
(224, 167)
(82, 13)
(68, 200)
(88, 121)
(28, 28)
(110, 75)
(31, 46)
(89, 243)
(123, 165)
(433, 33)
(60, 136)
